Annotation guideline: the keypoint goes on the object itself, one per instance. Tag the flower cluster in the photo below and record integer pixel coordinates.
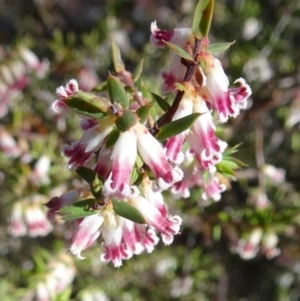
(258, 240)
(28, 217)
(125, 165)
(207, 92)
(60, 274)
(15, 72)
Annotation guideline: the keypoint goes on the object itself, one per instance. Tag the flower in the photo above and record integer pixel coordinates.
(179, 36)
(248, 248)
(80, 152)
(123, 158)
(226, 101)
(39, 174)
(167, 226)
(204, 144)
(121, 237)
(27, 217)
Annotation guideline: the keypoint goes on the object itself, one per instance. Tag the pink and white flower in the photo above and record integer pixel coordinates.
(179, 36)
(212, 188)
(154, 155)
(167, 226)
(249, 248)
(39, 175)
(87, 232)
(269, 245)
(80, 152)
(36, 221)
(8, 145)
(17, 226)
(123, 158)
(226, 101)
(204, 144)
(174, 144)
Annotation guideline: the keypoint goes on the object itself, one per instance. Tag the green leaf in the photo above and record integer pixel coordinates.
(181, 52)
(96, 188)
(180, 87)
(127, 211)
(112, 138)
(222, 167)
(126, 121)
(218, 47)
(117, 92)
(86, 173)
(88, 104)
(206, 18)
(101, 87)
(201, 5)
(143, 112)
(116, 57)
(161, 102)
(138, 71)
(176, 127)
(78, 210)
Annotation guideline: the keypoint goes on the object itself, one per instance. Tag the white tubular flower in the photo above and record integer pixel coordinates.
(39, 174)
(212, 188)
(112, 233)
(174, 144)
(226, 101)
(274, 174)
(154, 155)
(191, 176)
(87, 232)
(205, 145)
(154, 197)
(123, 158)
(17, 227)
(36, 221)
(8, 145)
(82, 151)
(167, 226)
(269, 245)
(179, 36)
(249, 248)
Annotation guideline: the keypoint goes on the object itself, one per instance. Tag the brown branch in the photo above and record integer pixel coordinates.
(190, 71)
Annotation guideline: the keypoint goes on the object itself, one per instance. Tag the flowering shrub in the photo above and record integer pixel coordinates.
(129, 155)
(146, 142)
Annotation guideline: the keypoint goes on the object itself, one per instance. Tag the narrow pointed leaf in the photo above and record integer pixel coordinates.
(126, 121)
(181, 52)
(198, 14)
(117, 92)
(176, 127)
(78, 210)
(180, 87)
(206, 18)
(138, 71)
(101, 87)
(88, 104)
(127, 211)
(143, 112)
(112, 138)
(86, 173)
(116, 57)
(161, 102)
(218, 47)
